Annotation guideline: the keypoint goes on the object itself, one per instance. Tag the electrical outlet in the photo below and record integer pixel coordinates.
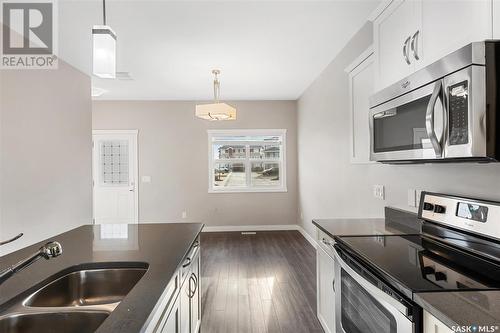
(379, 192)
(412, 197)
(184, 214)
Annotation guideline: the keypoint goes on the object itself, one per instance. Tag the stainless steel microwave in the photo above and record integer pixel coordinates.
(445, 112)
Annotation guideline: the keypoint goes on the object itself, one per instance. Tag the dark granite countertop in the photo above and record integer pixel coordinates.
(395, 222)
(463, 308)
(162, 246)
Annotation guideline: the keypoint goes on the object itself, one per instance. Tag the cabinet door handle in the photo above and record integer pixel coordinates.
(414, 45)
(186, 263)
(406, 50)
(195, 281)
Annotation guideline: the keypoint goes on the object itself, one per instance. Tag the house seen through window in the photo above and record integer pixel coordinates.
(247, 160)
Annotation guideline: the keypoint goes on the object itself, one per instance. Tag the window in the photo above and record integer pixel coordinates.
(247, 160)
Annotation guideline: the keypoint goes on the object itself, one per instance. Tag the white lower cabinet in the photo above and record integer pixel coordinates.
(434, 325)
(325, 266)
(179, 308)
(173, 323)
(185, 315)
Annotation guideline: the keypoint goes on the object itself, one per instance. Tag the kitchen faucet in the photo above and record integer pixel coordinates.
(49, 250)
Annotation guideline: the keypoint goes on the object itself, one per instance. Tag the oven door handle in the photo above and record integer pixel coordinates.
(373, 290)
(429, 119)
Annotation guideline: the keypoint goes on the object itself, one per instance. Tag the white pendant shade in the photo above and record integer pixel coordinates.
(104, 52)
(216, 111)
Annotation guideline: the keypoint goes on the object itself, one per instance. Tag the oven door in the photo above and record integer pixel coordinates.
(361, 307)
(409, 127)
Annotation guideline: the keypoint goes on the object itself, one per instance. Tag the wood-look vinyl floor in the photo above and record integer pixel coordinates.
(258, 283)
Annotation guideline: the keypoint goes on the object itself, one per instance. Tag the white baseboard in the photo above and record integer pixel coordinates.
(267, 227)
(309, 238)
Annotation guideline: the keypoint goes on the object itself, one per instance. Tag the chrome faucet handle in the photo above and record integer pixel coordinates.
(51, 250)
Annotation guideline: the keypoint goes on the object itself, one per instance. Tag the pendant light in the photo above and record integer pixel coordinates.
(216, 110)
(104, 49)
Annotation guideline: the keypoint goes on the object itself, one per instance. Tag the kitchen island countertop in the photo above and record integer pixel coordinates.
(159, 246)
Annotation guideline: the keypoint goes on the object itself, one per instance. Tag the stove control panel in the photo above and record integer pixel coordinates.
(474, 215)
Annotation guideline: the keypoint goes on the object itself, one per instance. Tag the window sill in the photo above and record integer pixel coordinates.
(249, 190)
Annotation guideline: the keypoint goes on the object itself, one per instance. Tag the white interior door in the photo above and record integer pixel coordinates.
(115, 197)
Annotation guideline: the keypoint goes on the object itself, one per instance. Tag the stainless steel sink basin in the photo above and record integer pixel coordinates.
(54, 322)
(87, 288)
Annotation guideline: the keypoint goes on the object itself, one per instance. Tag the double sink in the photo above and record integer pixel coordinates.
(77, 302)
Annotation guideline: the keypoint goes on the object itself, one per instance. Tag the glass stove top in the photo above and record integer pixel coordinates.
(415, 263)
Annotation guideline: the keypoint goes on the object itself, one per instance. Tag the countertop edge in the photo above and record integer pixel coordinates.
(445, 319)
(160, 297)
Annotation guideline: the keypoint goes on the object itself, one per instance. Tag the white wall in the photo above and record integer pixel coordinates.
(329, 186)
(173, 150)
(45, 140)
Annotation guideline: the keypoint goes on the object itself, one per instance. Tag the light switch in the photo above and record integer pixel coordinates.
(146, 179)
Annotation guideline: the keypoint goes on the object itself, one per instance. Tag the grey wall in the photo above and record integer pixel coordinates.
(173, 150)
(329, 186)
(46, 153)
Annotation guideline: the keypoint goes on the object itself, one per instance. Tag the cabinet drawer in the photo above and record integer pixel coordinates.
(189, 260)
(326, 242)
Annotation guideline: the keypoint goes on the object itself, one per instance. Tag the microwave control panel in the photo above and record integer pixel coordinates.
(458, 110)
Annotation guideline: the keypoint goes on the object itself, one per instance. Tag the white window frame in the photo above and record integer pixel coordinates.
(247, 161)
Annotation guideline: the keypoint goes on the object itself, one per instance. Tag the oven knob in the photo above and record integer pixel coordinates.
(428, 270)
(439, 209)
(440, 276)
(428, 206)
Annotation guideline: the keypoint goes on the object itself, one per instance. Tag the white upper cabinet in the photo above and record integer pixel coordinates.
(360, 88)
(411, 34)
(449, 25)
(392, 34)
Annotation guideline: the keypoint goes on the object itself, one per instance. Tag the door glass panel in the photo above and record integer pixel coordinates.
(360, 312)
(402, 128)
(114, 162)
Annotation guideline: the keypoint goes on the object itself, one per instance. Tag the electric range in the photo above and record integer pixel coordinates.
(376, 277)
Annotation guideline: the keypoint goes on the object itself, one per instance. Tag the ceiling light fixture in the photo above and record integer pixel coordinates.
(216, 110)
(104, 49)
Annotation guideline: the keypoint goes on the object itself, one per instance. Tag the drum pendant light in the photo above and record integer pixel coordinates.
(216, 110)
(104, 49)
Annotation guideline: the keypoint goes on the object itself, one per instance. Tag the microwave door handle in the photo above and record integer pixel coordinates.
(429, 119)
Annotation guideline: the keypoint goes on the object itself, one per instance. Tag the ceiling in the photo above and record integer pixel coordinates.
(266, 50)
